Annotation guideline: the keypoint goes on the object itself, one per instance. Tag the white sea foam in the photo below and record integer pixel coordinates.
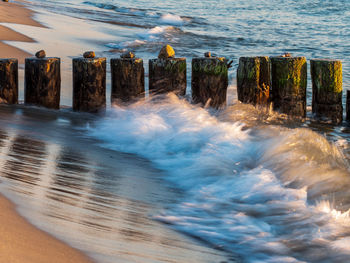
(249, 192)
(171, 19)
(126, 44)
(153, 34)
(156, 34)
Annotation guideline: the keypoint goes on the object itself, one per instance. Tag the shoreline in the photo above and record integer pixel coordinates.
(22, 241)
(15, 13)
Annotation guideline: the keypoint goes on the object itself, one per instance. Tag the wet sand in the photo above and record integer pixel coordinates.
(21, 241)
(99, 201)
(17, 14)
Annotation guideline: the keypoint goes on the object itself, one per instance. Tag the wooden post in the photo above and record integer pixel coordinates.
(253, 80)
(167, 75)
(89, 84)
(348, 105)
(289, 80)
(209, 81)
(128, 79)
(43, 82)
(327, 89)
(9, 81)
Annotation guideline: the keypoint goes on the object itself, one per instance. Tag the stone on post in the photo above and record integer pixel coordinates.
(89, 83)
(43, 81)
(253, 80)
(289, 80)
(209, 80)
(9, 81)
(128, 78)
(348, 105)
(327, 89)
(167, 73)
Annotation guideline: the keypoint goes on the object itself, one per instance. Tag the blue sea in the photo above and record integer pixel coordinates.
(169, 181)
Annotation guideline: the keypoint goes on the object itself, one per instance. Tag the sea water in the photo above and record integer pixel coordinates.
(248, 182)
(311, 28)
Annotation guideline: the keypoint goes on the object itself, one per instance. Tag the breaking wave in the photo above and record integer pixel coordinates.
(268, 194)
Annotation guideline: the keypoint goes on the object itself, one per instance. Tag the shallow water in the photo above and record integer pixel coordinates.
(249, 183)
(311, 28)
(97, 200)
(267, 192)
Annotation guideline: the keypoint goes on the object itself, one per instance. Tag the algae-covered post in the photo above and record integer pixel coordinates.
(209, 81)
(128, 78)
(289, 80)
(167, 73)
(253, 80)
(43, 81)
(348, 105)
(89, 83)
(327, 89)
(9, 81)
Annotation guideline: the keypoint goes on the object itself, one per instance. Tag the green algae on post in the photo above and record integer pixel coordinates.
(43, 82)
(9, 81)
(167, 75)
(327, 89)
(289, 81)
(128, 79)
(253, 80)
(89, 84)
(209, 81)
(348, 105)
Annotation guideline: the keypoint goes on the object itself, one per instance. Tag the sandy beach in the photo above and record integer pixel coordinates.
(98, 201)
(17, 14)
(21, 241)
(166, 180)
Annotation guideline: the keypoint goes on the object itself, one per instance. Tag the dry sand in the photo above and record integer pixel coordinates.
(14, 13)
(20, 241)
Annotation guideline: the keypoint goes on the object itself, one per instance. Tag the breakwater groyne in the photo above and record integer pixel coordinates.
(280, 81)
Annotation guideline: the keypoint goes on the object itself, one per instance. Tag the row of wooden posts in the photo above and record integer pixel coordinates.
(283, 80)
(43, 80)
(260, 81)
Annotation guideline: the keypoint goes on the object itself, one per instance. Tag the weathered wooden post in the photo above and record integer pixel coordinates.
(167, 73)
(327, 89)
(9, 81)
(43, 81)
(289, 80)
(348, 105)
(209, 80)
(254, 80)
(89, 83)
(128, 78)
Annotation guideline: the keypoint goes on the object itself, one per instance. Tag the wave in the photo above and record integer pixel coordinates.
(158, 34)
(120, 9)
(167, 19)
(171, 19)
(268, 193)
